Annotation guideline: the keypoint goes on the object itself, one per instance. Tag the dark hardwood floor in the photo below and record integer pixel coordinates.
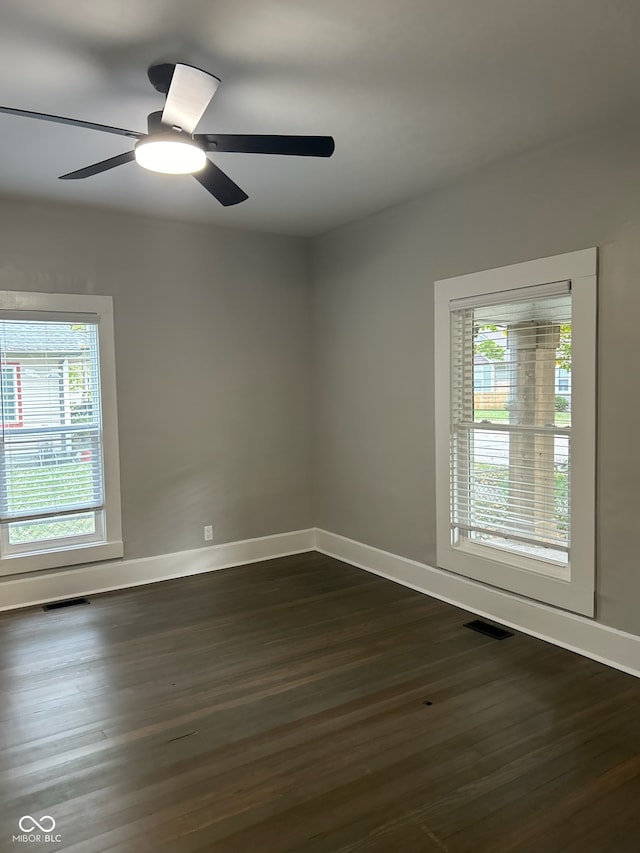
(281, 707)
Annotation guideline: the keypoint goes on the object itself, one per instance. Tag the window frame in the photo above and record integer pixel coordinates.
(575, 591)
(56, 553)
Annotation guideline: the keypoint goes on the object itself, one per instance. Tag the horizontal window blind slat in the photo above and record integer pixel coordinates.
(53, 317)
(48, 514)
(543, 429)
(16, 435)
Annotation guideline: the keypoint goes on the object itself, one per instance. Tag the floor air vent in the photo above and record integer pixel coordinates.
(490, 630)
(70, 602)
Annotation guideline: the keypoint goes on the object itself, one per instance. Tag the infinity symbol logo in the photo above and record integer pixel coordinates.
(45, 824)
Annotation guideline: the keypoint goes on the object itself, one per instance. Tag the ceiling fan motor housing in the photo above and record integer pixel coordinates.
(155, 125)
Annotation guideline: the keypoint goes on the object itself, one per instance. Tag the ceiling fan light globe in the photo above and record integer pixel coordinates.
(170, 156)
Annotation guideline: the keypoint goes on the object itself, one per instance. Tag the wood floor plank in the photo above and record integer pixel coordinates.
(280, 707)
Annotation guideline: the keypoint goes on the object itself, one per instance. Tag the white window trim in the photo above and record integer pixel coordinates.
(506, 571)
(111, 546)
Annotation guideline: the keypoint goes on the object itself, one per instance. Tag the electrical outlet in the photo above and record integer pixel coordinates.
(208, 532)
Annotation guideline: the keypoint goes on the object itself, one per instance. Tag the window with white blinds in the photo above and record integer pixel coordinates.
(511, 435)
(515, 427)
(56, 440)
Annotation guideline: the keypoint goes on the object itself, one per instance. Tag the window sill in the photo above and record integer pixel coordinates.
(18, 564)
(516, 561)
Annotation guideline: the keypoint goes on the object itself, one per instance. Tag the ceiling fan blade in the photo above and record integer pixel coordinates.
(220, 185)
(300, 146)
(102, 166)
(189, 95)
(76, 122)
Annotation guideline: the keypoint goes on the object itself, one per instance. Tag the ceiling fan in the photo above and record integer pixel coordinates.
(172, 147)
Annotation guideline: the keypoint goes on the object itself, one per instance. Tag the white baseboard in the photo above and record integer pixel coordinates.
(41, 587)
(576, 633)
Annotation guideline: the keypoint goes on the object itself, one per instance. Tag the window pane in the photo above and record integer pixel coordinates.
(51, 460)
(9, 394)
(510, 483)
(63, 527)
(51, 472)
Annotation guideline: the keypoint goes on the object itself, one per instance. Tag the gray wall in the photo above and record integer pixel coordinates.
(214, 337)
(373, 326)
(213, 355)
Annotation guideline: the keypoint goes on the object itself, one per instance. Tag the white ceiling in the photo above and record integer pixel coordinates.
(415, 93)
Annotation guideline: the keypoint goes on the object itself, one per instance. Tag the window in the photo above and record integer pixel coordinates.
(515, 483)
(11, 396)
(59, 474)
(563, 379)
(483, 376)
